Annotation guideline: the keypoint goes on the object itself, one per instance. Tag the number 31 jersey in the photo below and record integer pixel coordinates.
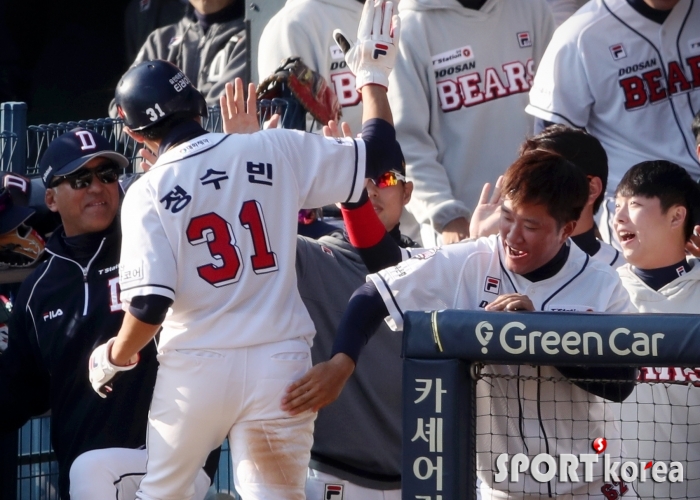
(213, 227)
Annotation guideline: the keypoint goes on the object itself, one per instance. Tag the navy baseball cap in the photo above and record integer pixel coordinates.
(72, 150)
(11, 215)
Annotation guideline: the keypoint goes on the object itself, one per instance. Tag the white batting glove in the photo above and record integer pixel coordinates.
(372, 57)
(102, 370)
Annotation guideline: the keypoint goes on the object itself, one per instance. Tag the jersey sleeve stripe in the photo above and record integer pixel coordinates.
(147, 289)
(360, 159)
(392, 306)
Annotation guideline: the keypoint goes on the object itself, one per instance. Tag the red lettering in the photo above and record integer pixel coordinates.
(448, 93)
(676, 79)
(694, 63)
(635, 96)
(470, 89)
(493, 87)
(517, 81)
(530, 65)
(655, 85)
(344, 84)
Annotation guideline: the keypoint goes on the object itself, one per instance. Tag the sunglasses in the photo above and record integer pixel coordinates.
(388, 179)
(106, 174)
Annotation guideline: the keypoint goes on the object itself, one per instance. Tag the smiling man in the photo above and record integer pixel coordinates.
(533, 267)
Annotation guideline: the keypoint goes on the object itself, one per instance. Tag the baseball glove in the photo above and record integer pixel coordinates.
(304, 90)
(20, 247)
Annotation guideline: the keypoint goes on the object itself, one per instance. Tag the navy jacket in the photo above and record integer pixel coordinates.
(62, 312)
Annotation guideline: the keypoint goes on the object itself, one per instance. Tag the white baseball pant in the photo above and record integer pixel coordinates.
(322, 486)
(202, 396)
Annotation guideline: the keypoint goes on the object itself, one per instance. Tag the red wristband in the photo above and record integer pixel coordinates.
(364, 227)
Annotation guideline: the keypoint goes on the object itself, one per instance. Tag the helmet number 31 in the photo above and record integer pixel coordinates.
(154, 114)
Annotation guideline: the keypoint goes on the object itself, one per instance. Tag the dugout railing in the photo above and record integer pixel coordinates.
(30, 452)
(445, 356)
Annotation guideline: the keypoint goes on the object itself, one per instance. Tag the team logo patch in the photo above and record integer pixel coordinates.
(694, 45)
(336, 52)
(570, 308)
(452, 57)
(130, 273)
(333, 492)
(680, 270)
(427, 254)
(492, 285)
(524, 39)
(618, 52)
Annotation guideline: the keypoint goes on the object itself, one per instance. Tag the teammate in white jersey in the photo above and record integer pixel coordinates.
(458, 94)
(653, 221)
(628, 71)
(528, 266)
(209, 238)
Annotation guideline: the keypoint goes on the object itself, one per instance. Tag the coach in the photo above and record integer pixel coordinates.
(68, 306)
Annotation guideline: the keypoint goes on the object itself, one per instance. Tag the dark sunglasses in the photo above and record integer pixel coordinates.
(388, 179)
(106, 174)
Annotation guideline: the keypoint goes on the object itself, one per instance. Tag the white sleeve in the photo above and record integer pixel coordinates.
(147, 265)
(327, 170)
(561, 92)
(426, 282)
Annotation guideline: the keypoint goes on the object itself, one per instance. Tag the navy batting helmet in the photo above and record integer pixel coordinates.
(153, 90)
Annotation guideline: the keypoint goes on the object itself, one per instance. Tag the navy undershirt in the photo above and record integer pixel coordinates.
(228, 13)
(550, 268)
(181, 133)
(656, 15)
(587, 242)
(662, 276)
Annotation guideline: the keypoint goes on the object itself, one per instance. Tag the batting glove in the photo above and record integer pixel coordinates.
(102, 370)
(372, 57)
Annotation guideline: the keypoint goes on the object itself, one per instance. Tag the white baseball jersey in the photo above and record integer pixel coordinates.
(609, 255)
(305, 28)
(660, 420)
(632, 83)
(458, 93)
(213, 226)
(471, 274)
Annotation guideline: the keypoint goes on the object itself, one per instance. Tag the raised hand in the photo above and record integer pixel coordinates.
(373, 56)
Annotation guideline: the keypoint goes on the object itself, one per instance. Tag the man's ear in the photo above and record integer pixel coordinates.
(568, 230)
(134, 135)
(407, 192)
(595, 187)
(50, 199)
(677, 214)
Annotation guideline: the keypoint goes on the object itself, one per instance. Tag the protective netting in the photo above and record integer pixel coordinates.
(646, 446)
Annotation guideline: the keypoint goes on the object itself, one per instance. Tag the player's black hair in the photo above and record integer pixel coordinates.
(546, 178)
(159, 130)
(668, 182)
(577, 146)
(696, 128)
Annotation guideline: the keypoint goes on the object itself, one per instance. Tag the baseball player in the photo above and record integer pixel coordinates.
(628, 71)
(64, 309)
(653, 221)
(530, 266)
(464, 65)
(214, 244)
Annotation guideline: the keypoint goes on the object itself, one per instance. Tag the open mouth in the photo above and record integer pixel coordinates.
(625, 236)
(514, 252)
